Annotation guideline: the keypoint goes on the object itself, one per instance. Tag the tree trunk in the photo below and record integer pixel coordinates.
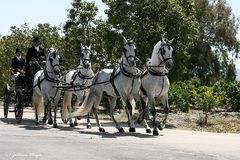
(206, 117)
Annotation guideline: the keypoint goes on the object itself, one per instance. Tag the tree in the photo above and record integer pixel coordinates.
(218, 28)
(147, 20)
(78, 29)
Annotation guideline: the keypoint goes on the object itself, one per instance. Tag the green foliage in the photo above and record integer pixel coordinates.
(182, 93)
(207, 100)
(232, 90)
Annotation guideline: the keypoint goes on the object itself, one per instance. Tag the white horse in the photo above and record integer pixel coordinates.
(155, 83)
(80, 79)
(44, 87)
(124, 82)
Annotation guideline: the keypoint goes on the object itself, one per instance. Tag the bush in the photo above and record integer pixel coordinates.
(207, 100)
(181, 94)
(232, 92)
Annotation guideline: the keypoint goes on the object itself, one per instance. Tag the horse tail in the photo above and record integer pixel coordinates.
(38, 103)
(66, 102)
(86, 106)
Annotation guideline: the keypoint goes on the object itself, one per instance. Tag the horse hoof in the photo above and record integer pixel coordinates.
(160, 127)
(44, 120)
(139, 121)
(89, 126)
(79, 118)
(37, 123)
(101, 130)
(148, 131)
(121, 130)
(55, 125)
(155, 133)
(75, 124)
(50, 121)
(71, 125)
(132, 129)
(65, 121)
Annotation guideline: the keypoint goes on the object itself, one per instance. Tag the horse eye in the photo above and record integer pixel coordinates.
(163, 51)
(124, 50)
(174, 52)
(135, 50)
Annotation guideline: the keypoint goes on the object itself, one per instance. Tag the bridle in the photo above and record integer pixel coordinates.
(129, 43)
(162, 52)
(84, 60)
(53, 66)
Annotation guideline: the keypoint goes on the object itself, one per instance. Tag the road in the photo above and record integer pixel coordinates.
(25, 141)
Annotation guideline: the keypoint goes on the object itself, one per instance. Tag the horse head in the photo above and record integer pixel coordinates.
(54, 60)
(129, 50)
(164, 51)
(86, 53)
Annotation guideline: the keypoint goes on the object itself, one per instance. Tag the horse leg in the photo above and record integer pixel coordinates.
(144, 114)
(94, 109)
(77, 103)
(166, 111)
(36, 115)
(128, 107)
(153, 112)
(56, 101)
(88, 121)
(112, 103)
(49, 106)
(44, 120)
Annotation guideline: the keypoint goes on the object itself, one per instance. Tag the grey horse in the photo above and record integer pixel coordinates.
(44, 88)
(80, 79)
(155, 83)
(124, 82)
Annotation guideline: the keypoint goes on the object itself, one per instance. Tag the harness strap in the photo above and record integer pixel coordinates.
(49, 78)
(73, 77)
(127, 74)
(155, 73)
(112, 77)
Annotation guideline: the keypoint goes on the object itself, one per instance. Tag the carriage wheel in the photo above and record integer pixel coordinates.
(18, 107)
(6, 101)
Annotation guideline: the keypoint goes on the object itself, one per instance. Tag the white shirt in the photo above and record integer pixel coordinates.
(19, 57)
(37, 48)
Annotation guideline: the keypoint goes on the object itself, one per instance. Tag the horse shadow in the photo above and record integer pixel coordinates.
(28, 124)
(117, 134)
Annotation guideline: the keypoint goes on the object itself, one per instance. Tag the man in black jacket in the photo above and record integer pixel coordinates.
(18, 62)
(35, 53)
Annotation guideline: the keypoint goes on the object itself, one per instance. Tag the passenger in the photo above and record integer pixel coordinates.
(18, 63)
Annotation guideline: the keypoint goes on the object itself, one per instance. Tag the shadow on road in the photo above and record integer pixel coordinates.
(29, 124)
(118, 134)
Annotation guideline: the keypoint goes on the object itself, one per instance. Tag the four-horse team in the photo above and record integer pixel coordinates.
(46, 85)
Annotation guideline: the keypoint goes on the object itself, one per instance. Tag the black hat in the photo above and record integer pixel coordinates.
(18, 50)
(35, 39)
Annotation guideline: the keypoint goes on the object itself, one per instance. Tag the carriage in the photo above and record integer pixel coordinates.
(16, 94)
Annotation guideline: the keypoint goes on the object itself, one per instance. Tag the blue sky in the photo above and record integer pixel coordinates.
(17, 12)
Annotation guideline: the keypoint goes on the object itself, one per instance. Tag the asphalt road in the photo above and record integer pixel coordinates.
(25, 141)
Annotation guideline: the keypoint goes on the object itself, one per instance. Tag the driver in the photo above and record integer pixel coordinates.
(35, 53)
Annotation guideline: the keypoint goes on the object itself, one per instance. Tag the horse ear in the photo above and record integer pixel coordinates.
(81, 46)
(170, 42)
(134, 39)
(90, 47)
(124, 40)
